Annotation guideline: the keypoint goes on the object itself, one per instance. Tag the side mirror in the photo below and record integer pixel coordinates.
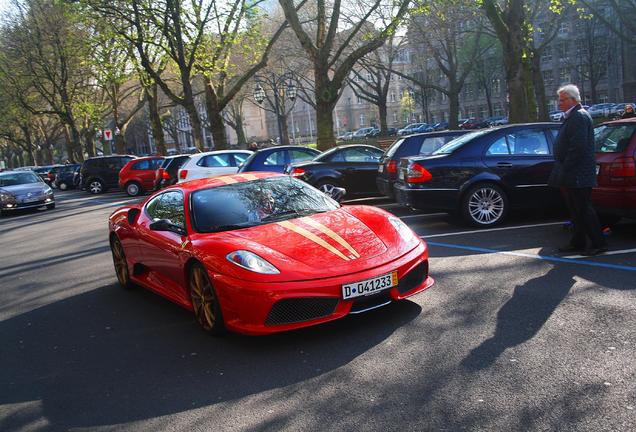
(337, 193)
(166, 225)
(132, 215)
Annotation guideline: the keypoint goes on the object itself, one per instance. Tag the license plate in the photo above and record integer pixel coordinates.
(401, 175)
(380, 168)
(369, 286)
(598, 169)
(30, 200)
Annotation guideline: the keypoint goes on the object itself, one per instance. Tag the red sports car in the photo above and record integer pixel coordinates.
(259, 253)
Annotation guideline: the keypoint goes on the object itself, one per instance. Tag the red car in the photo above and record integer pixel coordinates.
(615, 195)
(259, 253)
(138, 175)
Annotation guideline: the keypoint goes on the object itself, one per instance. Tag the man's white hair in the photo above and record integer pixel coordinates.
(571, 90)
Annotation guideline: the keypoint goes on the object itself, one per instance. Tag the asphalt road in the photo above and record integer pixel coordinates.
(511, 338)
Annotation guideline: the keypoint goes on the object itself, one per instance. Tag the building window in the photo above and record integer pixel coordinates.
(548, 78)
(392, 96)
(369, 77)
(564, 28)
(546, 55)
(564, 53)
(564, 75)
(362, 119)
(395, 117)
(496, 86)
(359, 99)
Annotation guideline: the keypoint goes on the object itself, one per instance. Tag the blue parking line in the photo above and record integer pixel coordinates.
(539, 257)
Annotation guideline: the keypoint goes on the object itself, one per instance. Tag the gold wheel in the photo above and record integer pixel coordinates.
(204, 301)
(121, 266)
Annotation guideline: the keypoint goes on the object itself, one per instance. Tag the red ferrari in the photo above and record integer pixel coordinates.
(259, 253)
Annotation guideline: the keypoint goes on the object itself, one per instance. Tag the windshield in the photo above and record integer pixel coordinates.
(453, 145)
(14, 179)
(257, 202)
(613, 138)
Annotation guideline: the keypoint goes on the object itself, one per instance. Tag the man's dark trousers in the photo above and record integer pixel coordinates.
(584, 218)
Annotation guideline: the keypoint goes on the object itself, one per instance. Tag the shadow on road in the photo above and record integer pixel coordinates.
(110, 356)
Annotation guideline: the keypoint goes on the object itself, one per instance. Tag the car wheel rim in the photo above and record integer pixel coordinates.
(327, 188)
(133, 189)
(62, 186)
(96, 187)
(486, 206)
(121, 268)
(203, 301)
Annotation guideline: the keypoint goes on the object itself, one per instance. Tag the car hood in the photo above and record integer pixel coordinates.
(23, 189)
(328, 244)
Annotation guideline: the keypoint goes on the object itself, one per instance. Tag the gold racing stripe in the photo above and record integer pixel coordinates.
(227, 179)
(323, 229)
(313, 237)
(247, 176)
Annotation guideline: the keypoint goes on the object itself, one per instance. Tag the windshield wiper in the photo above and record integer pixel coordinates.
(283, 214)
(219, 228)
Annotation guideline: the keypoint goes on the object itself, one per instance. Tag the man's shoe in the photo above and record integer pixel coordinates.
(595, 251)
(570, 249)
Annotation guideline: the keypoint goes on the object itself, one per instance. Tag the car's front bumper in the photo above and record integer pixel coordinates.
(262, 308)
(23, 205)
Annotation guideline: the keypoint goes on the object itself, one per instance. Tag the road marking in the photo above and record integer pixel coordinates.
(492, 229)
(615, 252)
(534, 256)
(423, 215)
(388, 205)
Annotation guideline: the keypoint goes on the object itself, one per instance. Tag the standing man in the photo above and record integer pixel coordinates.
(574, 173)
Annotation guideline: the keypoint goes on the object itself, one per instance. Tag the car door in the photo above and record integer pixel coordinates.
(359, 169)
(162, 251)
(215, 164)
(274, 161)
(522, 159)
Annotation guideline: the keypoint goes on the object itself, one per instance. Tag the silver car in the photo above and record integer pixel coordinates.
(24, 189)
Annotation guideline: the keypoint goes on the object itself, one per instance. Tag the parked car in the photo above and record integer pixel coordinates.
(352, 167)
(168, 172)
(412, 145)
(615, 195)
(473, 123)
(409, 128)
(600, 110)
(47, 172)
(24, 189)
(68, 177)
(100, 173)
(138, 175)
(265, 253)
(617, 110)
(275, 159)
(212, 163)
(362, 133)
(556, 116)
(483, 174)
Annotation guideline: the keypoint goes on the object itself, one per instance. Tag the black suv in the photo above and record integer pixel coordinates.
(102, 172)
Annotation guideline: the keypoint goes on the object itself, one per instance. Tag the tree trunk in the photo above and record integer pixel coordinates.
(539, 88)
(324, 125)
(284, 129)
(382, 111)
(155, 119)
(453, 108)
(89, 143)
(195, 124)
(240, 131)
(120, 141)
(217, 124)
(76, 142)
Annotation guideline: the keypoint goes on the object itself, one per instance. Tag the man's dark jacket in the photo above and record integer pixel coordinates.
(574, 159)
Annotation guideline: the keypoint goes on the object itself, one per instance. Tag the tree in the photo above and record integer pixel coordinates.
(511, 27)
(407, 106)
(334, 39)
(622, 20)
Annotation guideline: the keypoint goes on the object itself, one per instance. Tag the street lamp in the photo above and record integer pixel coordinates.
(281, 87)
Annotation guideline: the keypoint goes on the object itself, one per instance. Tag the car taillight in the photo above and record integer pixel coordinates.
(183, 174)
(164, 174)
(298, 172)
(416, 173)
(623, 167)
(391, 167)
(51, 175)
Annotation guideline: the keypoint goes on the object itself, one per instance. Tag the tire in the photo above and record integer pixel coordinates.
(326, 186)
(484, 205)
(121, 265)
(95, 186)
(62, 186)
(50, 206)
(133, 189)
(205, 303)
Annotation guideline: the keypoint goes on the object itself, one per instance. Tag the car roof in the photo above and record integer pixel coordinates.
(215, 152)
(110, 156)
(344, 146)
(223, 180)
(287, 147)
(626, 120)
(437, 133)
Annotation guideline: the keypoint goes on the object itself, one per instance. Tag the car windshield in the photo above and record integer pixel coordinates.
(453, 145)
(326, 155)
(391, 151)
(19, 178)
(613, 138)
(256, 202)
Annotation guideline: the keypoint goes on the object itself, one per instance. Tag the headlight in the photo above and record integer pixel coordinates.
(402, 228)
(251, 261)
(48, 192)
(6, 198)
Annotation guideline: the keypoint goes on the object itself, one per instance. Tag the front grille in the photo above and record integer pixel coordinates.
(293, 310)
(413, 278)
